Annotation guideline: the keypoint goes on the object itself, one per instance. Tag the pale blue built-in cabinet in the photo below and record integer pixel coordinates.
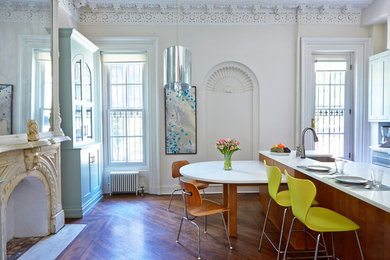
(81, 121)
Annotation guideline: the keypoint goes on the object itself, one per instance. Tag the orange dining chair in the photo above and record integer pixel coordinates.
(176, 174)
(198, 207)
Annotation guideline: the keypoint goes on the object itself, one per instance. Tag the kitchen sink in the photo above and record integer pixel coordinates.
(320, 158)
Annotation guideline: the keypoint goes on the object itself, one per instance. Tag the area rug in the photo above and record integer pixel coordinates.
(52, 246)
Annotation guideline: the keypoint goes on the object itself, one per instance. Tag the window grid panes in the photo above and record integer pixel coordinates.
(126, 112)
(330, 106)
(45, 92)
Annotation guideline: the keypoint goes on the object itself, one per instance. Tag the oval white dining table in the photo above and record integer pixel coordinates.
(243, 173)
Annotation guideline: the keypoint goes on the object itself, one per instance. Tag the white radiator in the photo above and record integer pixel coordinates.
(124, 182)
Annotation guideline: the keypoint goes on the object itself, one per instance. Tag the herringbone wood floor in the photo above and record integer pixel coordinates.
(131, 227)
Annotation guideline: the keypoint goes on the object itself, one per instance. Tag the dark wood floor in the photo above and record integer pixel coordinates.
(130, 227)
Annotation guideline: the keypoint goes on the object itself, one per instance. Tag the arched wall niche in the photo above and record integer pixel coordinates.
(232, 109)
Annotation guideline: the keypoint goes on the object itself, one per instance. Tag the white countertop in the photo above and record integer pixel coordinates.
(380, 199)
(380, 149)
(243, 172)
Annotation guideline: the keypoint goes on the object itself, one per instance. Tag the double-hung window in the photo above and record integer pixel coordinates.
(126, 114)
(41, 91)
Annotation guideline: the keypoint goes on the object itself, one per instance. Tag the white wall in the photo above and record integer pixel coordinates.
(270, 51)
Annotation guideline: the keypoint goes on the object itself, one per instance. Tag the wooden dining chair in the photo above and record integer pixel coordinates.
(176, 174)
(197, 207)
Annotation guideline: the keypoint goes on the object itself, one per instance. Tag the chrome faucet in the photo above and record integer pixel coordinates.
(301, 148)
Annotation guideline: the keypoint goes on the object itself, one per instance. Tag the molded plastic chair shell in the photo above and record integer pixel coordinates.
(302, 194)
(274, 176)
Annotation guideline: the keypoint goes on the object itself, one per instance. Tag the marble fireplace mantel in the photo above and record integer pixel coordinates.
(41, 159)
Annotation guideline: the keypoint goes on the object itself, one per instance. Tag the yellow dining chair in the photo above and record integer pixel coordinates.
(282, 198)
(197, 207)
(302, 194)
(176, 174)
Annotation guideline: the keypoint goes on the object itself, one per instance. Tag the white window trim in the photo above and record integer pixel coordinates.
(150, 174)
(361, 49)
(23, 93)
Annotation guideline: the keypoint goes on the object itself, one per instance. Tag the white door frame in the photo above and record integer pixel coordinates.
(348, 100)
(361, 49)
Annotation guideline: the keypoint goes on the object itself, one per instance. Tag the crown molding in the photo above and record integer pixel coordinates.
(217, 14)
(69, 7)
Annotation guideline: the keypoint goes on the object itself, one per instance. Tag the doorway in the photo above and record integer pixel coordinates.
(333, 104)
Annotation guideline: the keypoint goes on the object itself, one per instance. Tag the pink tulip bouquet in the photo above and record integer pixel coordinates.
(227, 147)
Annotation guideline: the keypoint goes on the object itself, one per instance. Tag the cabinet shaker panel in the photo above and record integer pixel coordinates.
(379, 87)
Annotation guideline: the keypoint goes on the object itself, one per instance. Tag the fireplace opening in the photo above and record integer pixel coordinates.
(28, 210)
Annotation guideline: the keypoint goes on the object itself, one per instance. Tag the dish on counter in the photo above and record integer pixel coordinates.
(318, 168)
(280, 149)
(351, 179)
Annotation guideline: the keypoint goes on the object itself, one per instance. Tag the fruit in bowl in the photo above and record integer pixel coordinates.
(280, 148)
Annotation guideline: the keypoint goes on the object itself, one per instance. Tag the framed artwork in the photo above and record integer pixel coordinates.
(5, 109)
(180, 122)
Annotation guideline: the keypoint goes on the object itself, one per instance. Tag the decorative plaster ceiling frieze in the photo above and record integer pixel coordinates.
(218, 14)
(17, 12)
(70, 7)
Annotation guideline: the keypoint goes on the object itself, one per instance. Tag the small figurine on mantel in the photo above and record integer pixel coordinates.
(32, 131)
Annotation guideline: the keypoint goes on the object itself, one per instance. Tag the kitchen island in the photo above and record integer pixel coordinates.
(369, 208)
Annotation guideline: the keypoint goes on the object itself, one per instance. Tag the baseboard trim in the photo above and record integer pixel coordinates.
(92, 202)
(80, 212)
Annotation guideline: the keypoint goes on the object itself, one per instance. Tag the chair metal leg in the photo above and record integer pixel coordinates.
(281, 233)
(170, 200)
(204, 193)
(265, 223)
(323, 241)
(198, 240)
(198, 229)
(178, 234)
(227, 233)
(205, 224)
(360, 247)
(333, 251)
(304, 232)
(288, 238)
(317, 244)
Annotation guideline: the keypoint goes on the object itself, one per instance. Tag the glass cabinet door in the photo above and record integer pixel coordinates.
(78, 124)
(83, 102)
(77, 80)
(87, 91)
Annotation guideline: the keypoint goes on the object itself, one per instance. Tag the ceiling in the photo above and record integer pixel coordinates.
(289, 3)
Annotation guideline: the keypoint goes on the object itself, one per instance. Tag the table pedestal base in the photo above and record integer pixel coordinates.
(230, 201)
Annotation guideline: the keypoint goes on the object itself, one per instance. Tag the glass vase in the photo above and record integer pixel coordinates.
(227, 164)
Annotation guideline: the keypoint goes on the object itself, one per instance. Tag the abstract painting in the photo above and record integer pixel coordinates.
(5, 109)
(180, 122)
